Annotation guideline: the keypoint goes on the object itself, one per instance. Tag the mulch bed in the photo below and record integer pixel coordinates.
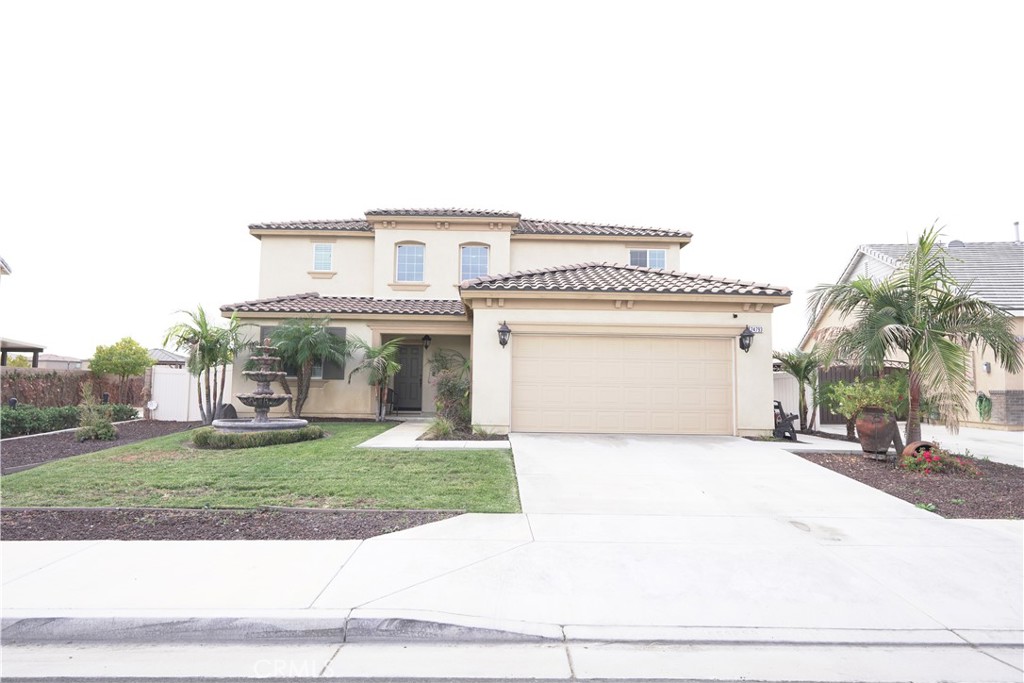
(997, 494)
(155, 524)
(19, 454)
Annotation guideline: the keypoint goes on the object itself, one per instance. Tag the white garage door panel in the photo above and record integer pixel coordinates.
(626, 385)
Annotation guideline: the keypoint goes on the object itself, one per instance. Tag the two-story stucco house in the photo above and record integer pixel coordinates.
(605, 334)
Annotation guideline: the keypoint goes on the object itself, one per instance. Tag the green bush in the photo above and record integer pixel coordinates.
(208, 437)
(119, 412)
(932, 459)
(441, 428)
(26, 419)
(93, 418)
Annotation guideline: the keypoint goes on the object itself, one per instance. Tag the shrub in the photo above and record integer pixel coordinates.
(208, 437)
(120, 412)
(926, 460)
(440, 428)
(26, 419)
(450, 375)
(93, 418)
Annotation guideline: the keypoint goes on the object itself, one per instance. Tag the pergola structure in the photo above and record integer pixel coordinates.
(15, 346)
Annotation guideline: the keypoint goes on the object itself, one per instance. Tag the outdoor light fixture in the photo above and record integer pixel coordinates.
(503, 334)
(426, 341)
(988, 367)
(746, 336)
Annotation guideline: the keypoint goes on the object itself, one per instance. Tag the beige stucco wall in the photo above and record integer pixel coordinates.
(528, 254)
(327, 398)
(492, 363)
(286, 262)
(441, 260)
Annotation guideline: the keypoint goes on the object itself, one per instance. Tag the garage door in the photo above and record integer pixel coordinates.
(622, 385)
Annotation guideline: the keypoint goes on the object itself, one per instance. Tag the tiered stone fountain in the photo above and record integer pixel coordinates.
(263, 399)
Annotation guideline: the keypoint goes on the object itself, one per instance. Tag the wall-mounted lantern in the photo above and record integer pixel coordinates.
(503, 334)
(746, 336)
(426, 341)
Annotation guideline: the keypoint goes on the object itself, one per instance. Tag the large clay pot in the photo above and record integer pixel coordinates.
(876, 429)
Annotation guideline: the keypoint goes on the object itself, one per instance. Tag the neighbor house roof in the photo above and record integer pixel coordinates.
(523, 226)
(166, 357)
(313, 303)
(994, 269)
(57, 358)
(611, 277)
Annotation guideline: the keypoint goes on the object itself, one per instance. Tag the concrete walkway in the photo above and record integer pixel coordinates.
(406, 436)
(738, 558)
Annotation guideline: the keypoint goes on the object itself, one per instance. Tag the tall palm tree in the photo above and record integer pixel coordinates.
(302, 343)
(381, 362)
(804, 367)
(922, 312)
(210, 348)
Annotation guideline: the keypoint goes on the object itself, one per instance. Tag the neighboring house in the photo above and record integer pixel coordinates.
(54, 362)
(605, 334)
(8, 346)
(167, 358)
(995, 273)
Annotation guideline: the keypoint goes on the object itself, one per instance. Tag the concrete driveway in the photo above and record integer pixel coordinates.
(703, 476)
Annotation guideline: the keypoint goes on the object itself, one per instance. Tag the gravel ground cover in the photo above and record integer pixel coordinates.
(997, 494)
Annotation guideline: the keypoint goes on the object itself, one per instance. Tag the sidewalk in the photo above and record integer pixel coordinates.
(407, 434)
(996, 445)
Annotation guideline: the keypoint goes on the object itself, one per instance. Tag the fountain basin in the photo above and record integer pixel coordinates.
(244, 424)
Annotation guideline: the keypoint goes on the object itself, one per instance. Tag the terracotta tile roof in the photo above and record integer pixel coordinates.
(349, 225)
(530, 226)
(313, 303)
(523, 226)
(996, 269)
(612, 277)
(470, 213)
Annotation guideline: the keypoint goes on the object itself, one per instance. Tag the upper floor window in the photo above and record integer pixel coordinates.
(649, 258)
(474, 261)
(323, 257)
(409, 263)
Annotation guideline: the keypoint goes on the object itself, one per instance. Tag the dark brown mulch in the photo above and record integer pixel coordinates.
(997, 494)
(63, 524)
(22, 453)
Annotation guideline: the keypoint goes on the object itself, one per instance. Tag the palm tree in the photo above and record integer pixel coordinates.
(804, 366)
(922, 312)
(210, 349)
(301, 343)
(382, 364)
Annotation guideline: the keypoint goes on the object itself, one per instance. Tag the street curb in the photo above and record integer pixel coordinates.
(42, 630)
(335, 629)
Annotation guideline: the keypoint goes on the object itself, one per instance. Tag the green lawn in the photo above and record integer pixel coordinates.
(330, 473)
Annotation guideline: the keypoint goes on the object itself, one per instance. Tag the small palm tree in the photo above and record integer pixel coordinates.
(210, 349)
(381, 363)
(804, 367)
(301, 343)
(922, 312)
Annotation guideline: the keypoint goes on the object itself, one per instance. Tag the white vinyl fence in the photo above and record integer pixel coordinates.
(787, 390)
(174, 392)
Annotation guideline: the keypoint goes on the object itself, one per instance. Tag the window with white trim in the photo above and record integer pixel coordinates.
(474, 261)
(648, 258)
(323, 257)
(409, 263)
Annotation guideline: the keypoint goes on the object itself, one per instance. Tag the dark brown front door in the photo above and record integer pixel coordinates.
(409, 380)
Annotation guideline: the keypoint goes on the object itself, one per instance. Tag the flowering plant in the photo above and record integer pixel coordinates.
(934, 460)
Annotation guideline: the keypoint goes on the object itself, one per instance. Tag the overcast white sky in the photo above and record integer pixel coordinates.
(140, 139)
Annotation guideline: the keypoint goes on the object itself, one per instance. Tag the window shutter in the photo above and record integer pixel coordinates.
(334, 370)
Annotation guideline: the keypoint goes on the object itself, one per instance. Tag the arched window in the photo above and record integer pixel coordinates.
(409, 262)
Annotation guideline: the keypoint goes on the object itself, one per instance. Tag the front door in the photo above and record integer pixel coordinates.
(409, 380)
